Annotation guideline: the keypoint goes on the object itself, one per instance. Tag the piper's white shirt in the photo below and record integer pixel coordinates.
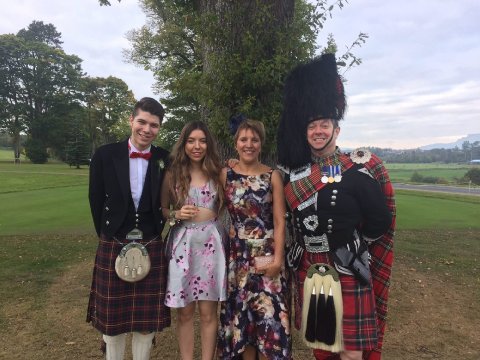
(138, 170)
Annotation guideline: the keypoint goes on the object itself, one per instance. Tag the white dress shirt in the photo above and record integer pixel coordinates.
(138, 170)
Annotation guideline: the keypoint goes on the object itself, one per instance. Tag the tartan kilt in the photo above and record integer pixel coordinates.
(359, 312)
(116, 306)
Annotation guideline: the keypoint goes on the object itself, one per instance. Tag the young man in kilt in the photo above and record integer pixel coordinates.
(124, 194)
(342, 212)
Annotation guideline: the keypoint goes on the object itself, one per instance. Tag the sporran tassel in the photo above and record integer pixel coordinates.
(330, 320)
(312, 317)
(321, 316)
(322, 291)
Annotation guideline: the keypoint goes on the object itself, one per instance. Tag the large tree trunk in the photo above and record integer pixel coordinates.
(237, 16)
(15, 134)
(16, 147)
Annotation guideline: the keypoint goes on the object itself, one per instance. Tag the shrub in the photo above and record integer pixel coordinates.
(431, 180)
(473, 175)
(416, 177)
(36, 151)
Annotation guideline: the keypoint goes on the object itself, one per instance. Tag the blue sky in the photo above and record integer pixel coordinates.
(419, 82)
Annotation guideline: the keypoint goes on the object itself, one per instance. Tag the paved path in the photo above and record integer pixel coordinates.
(440, 188)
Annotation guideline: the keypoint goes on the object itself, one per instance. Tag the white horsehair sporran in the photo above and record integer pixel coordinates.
(322, 309)
(133, 262)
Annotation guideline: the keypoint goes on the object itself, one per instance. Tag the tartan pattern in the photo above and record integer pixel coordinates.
(298, 191)
(381, 252)
(359, 317)
(116, 306)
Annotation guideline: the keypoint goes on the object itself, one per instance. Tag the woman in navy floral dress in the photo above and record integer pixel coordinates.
(255, 318)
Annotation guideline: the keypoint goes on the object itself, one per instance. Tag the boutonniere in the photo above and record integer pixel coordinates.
(160, 167)
(161, 164)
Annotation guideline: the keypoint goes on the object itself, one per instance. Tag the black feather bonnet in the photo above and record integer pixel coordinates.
(313, 90)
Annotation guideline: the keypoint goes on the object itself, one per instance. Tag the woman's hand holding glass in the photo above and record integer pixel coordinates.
(187, 212)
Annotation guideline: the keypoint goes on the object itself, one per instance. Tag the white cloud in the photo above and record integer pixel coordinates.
(418, 83)
(419, 80)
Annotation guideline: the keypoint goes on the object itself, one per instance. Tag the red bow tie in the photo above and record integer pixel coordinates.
(145, 156)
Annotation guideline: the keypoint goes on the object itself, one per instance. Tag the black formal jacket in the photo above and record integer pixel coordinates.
(109, 187)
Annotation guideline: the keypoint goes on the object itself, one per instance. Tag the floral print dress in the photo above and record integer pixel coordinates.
(256, 312)
(196, 269)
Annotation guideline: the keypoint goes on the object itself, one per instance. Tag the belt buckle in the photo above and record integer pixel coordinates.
(316, 244)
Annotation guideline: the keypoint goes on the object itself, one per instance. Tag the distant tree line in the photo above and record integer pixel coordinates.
(46, 99)
(465, 154)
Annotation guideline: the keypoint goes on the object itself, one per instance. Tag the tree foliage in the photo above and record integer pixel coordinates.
(77, 151)
(473, 175)
(44, 91)
(212, 59)
(108, 103)
(39, 77)
(468, 152)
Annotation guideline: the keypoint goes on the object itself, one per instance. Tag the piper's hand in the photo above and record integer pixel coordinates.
(187, 212)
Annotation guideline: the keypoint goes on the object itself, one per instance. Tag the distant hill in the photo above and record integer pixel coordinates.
(470, 138)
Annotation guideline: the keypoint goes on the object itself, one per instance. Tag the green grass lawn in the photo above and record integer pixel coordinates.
(58, 210)
(52, 198)
(449, 172)
(434, 211)
(37, 199)
(46, 231)
(7, 155)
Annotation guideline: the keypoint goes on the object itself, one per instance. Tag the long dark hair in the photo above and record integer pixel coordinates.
(180, 164)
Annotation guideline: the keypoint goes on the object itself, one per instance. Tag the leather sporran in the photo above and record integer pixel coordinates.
(133, 263)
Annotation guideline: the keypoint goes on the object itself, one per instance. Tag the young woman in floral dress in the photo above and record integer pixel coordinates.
(191, 198)
(255, 318)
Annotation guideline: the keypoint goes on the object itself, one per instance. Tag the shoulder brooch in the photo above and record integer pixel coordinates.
(361, 155)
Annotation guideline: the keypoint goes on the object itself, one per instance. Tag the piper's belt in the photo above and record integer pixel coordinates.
(316, 244)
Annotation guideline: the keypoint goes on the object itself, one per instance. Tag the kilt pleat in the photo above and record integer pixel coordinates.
(116, 306)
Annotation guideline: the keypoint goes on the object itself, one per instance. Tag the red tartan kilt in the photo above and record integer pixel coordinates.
(359, 313)
(116, 306)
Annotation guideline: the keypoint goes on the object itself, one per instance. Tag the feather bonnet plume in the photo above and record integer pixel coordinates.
(313, 90)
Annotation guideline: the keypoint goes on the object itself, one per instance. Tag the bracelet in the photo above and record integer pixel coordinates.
(171, 216)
